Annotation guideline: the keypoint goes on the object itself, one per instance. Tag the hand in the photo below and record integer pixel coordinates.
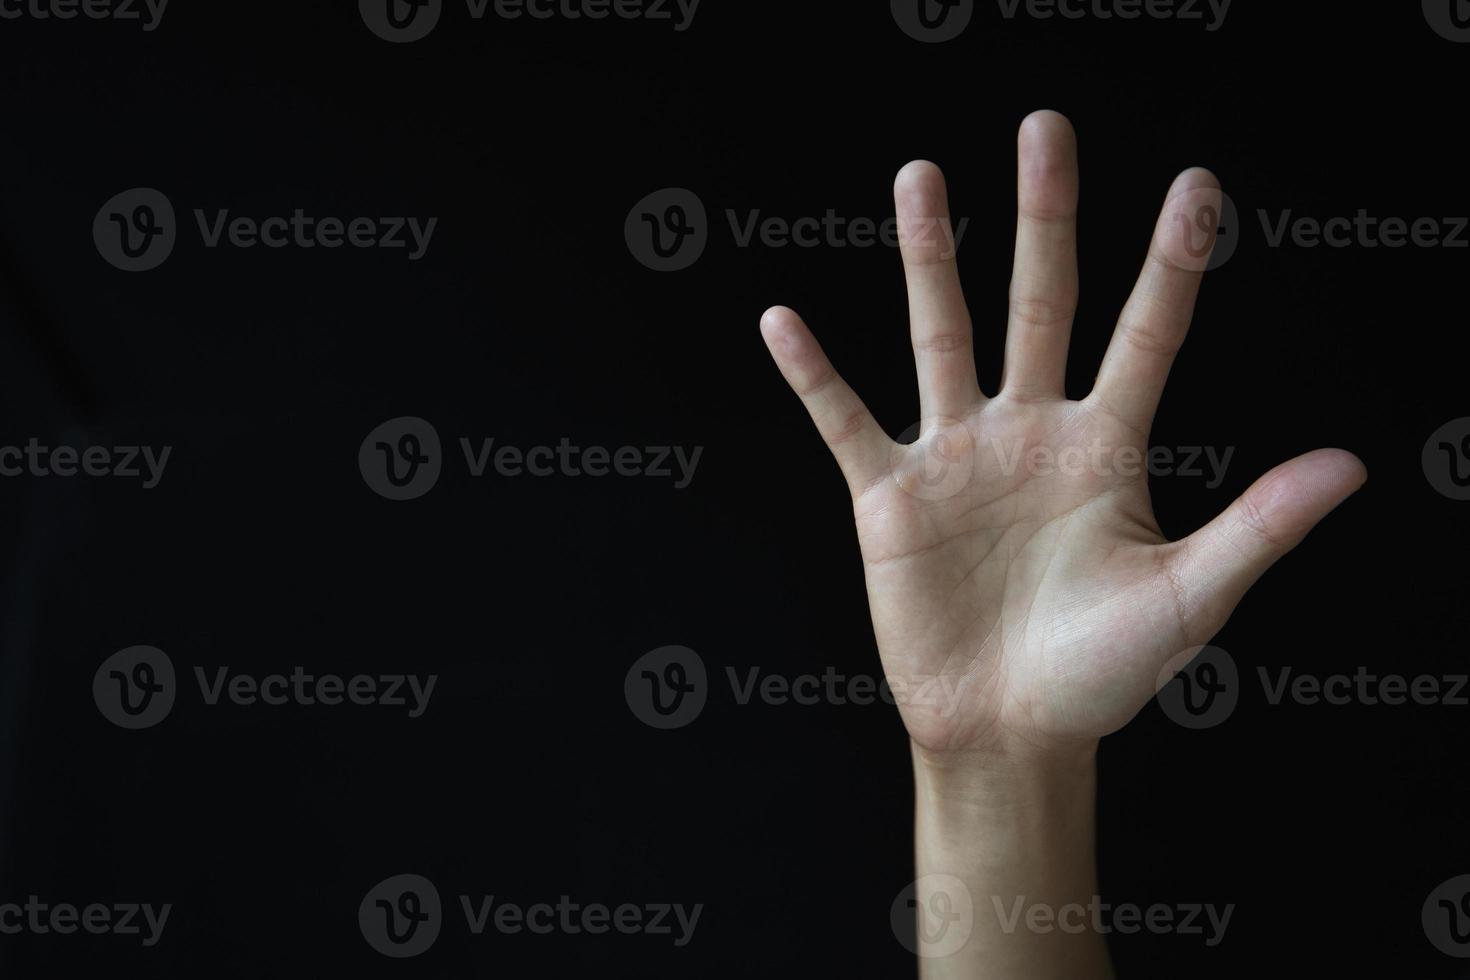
(1022, 594)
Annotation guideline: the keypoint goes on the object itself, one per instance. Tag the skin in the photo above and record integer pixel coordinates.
(1023, 608)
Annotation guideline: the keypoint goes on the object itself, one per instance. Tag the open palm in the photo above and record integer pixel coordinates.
(1019, 585)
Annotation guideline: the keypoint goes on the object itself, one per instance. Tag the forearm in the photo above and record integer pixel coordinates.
(1012, 842)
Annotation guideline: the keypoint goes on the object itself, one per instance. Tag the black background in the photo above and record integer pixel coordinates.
(528, 321)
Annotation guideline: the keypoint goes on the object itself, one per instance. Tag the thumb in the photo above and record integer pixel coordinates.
(1213, 567)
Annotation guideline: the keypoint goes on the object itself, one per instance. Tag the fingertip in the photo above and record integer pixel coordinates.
(1361, 472)
(1194, 179)
(918, 173)
(782, 330)
(1046, 151)
(1294, 496)
(1220, 561)
(776, 319)
(1189, 222)
(1334, 468)
(1046, 125)
(919, 187)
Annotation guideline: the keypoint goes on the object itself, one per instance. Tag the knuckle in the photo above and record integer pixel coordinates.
(1143, 335)
(943, 343)
(848, 427)
(1034, 311)
(1255, 522)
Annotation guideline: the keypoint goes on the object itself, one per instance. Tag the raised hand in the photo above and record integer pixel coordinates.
(1020, 588)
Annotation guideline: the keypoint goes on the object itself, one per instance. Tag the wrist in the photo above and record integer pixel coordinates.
(1024, 820)
(1016, 779)
(994, 834)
